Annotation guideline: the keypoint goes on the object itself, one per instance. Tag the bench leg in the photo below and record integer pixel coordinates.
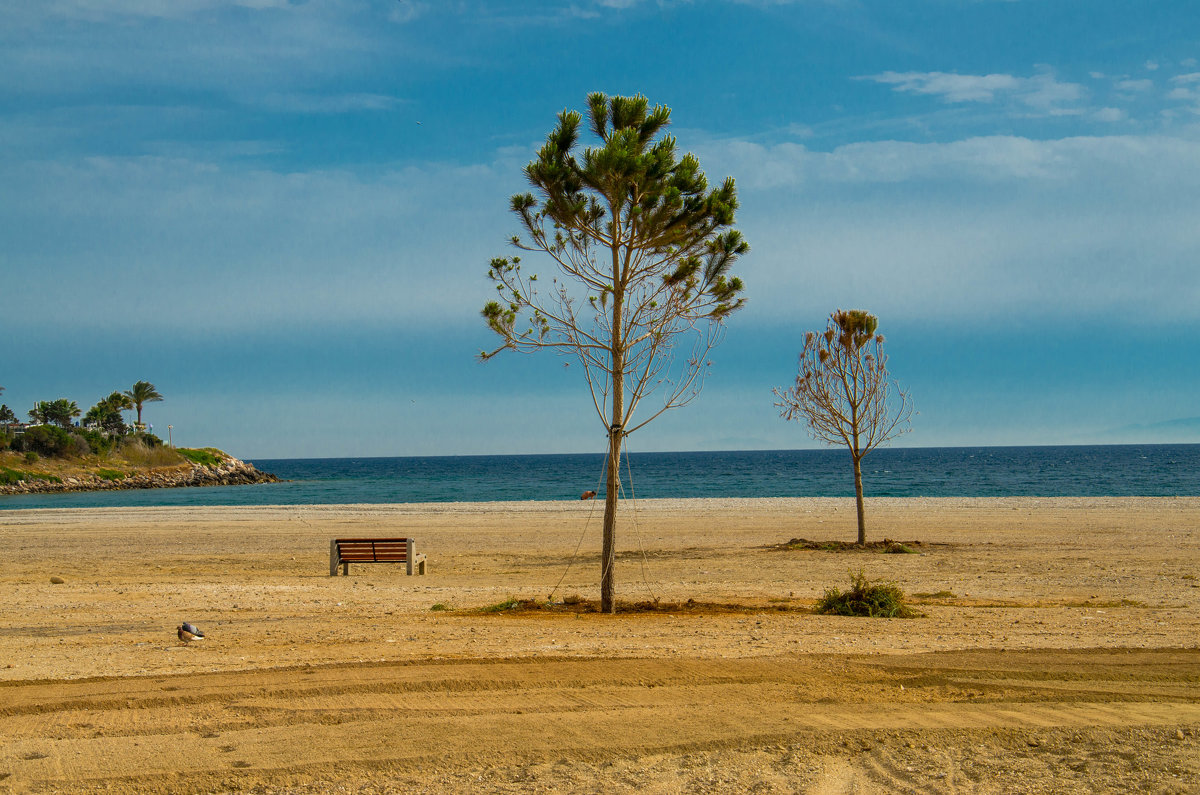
(421, 566)
(345, 569)
(333, 558)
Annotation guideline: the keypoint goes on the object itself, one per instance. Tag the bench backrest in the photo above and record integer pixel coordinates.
(362, 550)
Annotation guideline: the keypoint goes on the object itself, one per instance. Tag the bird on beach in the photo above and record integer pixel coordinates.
(189, 632)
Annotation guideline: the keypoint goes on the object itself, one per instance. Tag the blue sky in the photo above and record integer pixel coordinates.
(281, 213)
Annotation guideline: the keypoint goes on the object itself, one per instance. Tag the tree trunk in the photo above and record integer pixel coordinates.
(608, 554)
(616, 432)
(858, 500)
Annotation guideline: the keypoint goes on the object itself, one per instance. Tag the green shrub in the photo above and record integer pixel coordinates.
(30, 457)
(98, 442)
(110, 474)
(5, 440)
(12, 476)
(511, 603)
(47, 440)
(866, 598)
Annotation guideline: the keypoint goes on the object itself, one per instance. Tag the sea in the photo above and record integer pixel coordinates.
(1069, 471)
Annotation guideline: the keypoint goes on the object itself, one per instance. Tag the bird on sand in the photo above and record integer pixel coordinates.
(189, 632)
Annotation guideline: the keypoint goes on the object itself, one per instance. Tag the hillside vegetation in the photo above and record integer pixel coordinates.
(129, 459)
(55, 453)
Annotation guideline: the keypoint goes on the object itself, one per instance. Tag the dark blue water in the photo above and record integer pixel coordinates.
(1108, 470)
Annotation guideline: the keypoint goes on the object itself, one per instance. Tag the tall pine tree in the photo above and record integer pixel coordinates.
(643, 250)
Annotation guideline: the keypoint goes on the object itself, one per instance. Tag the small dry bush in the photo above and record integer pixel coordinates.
(866, 598)
(139, 454)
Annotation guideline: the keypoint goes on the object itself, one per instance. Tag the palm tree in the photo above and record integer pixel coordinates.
(118, 402)
(106, 413)
(40, 413)
(62, 411)
(142, 392)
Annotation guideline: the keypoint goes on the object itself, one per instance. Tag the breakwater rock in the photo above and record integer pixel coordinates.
(228, 472)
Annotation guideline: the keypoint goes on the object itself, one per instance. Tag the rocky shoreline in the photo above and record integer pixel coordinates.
(230, 472)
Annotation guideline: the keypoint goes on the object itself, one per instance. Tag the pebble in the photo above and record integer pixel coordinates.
(57, 580)
(1179, 734)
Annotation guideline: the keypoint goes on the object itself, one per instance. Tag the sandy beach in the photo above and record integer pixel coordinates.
(1059, 652)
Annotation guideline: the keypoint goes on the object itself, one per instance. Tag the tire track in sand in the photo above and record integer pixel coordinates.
(262, 726)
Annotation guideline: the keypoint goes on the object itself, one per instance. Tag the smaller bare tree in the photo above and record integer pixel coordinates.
(843, 392)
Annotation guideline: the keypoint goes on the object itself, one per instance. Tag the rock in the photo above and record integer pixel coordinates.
(231, 472)
(57, 580)
(1179, 734)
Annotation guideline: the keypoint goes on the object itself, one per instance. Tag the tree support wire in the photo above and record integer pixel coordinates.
(636, 527)
(582, 535)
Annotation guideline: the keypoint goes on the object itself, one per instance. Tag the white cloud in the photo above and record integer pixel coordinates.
(797, 130)
(1186, 89)
(1045, 93)
(995, 227)
(182, 243)
(983, 159)
(1109, 115)
(989, 226)
(1135, 85)
(98, 10)
(769, 3)
(1042, 93)
(404, 11)
(214, 48)
(325, 103)
(951, 87)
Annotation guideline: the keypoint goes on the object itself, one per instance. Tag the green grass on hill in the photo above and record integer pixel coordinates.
(130, 459)
(10, 477)
(205, 456)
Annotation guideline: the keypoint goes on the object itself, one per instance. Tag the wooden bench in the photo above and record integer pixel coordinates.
(344, 551)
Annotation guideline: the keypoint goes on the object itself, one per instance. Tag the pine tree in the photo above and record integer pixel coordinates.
(643, 250)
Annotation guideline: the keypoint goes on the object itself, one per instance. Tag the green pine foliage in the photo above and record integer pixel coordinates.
(640, 250)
